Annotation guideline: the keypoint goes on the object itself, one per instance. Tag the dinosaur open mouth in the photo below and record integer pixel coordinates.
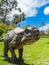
(37, 36)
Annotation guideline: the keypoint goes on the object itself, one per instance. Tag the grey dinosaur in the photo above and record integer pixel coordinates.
(17, 38)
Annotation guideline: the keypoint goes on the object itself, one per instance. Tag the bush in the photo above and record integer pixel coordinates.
(1, 31)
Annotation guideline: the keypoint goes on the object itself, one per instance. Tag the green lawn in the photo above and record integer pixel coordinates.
(35, 54)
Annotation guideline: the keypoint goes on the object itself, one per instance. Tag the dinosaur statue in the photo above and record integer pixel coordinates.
(17, 38)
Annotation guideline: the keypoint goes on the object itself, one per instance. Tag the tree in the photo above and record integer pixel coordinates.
(42, 31)
(19, 18)
(6, 6)
(4, 28)
(48, 31)
(42, 24)
(25, 27)
(1, 32)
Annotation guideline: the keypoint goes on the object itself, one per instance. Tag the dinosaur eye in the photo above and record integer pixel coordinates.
(37, 34)
(27, 31)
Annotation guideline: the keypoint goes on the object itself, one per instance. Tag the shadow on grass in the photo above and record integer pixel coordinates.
(17, 62)
(47, 42)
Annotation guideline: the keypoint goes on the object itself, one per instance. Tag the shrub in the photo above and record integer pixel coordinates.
(1, 31)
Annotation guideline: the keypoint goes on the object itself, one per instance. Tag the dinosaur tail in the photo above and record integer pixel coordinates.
(1, 39)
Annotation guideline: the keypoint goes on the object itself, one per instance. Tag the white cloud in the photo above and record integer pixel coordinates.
(44, 28)
(29, 7)
(46, 10)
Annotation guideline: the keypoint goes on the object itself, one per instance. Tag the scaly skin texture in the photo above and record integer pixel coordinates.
(17, 40)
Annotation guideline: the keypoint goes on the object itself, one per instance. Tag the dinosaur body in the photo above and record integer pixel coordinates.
(17, 38)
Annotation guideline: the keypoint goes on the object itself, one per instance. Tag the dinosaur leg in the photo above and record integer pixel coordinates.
(13, 57)
(20, 54)
(6, 48)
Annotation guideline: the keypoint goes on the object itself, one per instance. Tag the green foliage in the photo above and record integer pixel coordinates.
(1, 31)
(19, 18)
(26, 26)
(4, 27)
(12, 26)
(4, 11)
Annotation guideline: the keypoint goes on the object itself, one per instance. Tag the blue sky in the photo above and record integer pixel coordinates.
(38, 18)
(36, 11)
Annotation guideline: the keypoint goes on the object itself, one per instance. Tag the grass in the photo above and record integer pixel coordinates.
(35, 54)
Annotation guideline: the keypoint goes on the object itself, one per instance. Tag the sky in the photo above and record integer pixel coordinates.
(36, 11)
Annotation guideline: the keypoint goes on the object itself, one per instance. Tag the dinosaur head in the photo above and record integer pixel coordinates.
(32, 34)
(35, 33)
